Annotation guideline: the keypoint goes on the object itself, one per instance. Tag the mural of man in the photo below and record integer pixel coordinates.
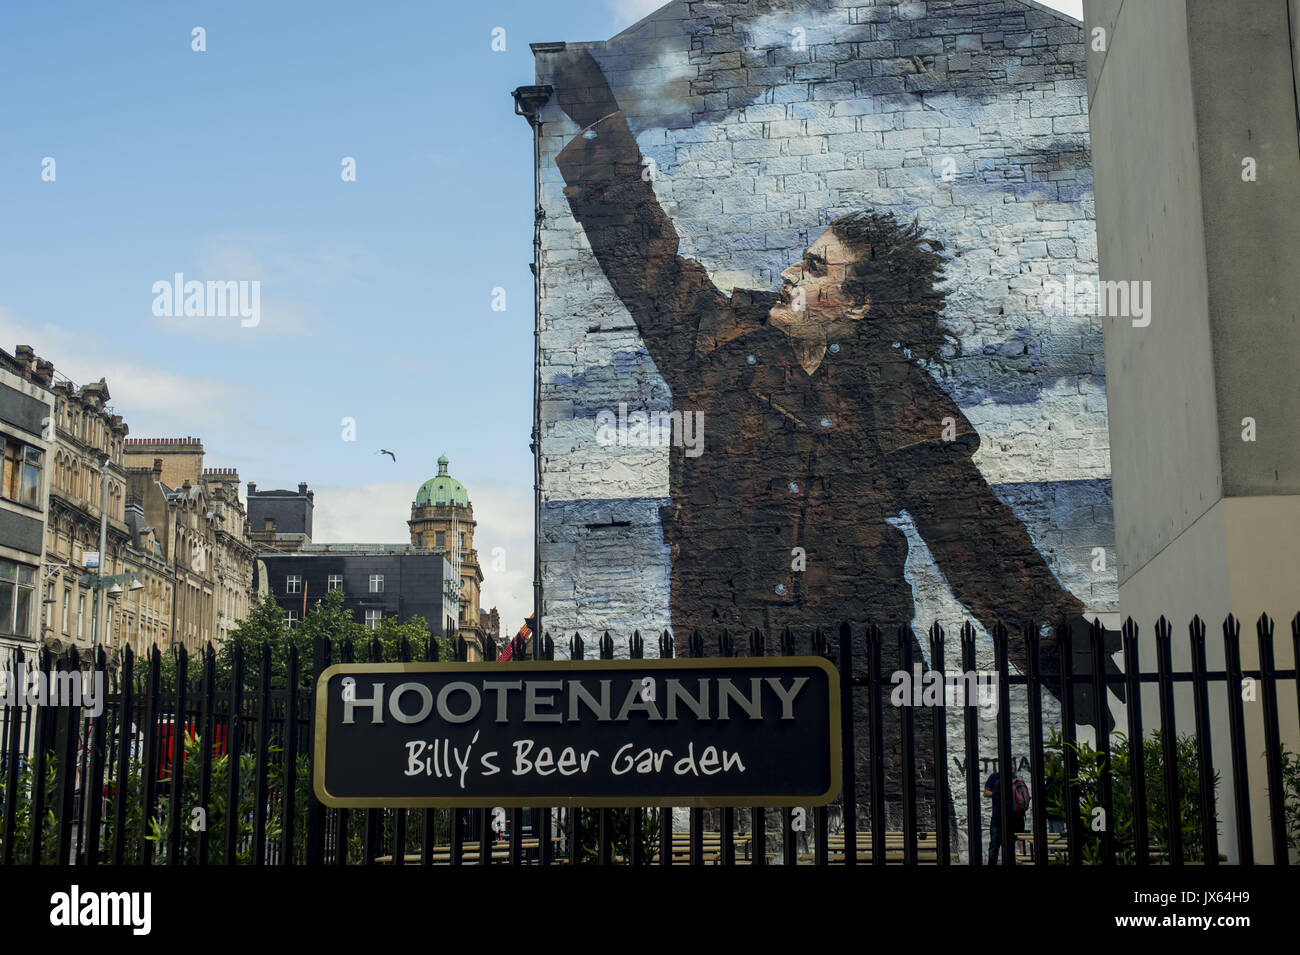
(820, 423)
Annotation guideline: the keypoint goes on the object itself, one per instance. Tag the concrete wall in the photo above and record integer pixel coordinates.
(1205, 520)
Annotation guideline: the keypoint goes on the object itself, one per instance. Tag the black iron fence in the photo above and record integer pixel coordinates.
(184, 762)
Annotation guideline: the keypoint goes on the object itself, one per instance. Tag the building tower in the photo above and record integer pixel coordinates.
(442, 517)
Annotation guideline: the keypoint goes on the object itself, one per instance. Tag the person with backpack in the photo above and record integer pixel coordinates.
(1019, 805)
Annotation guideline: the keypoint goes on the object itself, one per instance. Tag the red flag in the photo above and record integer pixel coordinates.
(508, 653)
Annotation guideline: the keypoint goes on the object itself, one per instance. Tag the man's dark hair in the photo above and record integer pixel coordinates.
(897, 268)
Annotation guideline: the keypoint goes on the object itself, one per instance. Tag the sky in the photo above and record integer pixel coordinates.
(375, 325)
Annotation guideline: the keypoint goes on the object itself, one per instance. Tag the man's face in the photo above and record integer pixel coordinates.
(813, 306)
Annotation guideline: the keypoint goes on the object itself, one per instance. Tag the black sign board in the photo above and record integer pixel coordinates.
(702, 732)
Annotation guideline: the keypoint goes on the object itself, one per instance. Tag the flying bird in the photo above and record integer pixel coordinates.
(387, 452)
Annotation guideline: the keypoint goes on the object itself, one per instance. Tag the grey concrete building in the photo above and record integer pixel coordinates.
(1193, 112)
(280, 520)
(377, 581)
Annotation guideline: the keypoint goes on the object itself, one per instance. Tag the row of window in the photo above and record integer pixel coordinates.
(373, 617)
(293, 583)
(20, 477)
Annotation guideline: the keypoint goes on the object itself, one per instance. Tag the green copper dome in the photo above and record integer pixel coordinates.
(443, 489)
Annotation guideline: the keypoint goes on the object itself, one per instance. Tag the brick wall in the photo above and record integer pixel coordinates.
(765, 121)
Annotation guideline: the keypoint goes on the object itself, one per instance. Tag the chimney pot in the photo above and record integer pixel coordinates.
(302, 488)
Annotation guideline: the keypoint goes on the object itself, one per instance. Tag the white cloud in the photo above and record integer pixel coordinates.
(628, 12)
(155, 402)
(377, 514)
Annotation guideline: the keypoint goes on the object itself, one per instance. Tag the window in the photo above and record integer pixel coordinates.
(372, 619)
(442, 539)
(17, 589)
(293, 584)
(290, 620)
(81, 614)
(21, 478)
(336, 582)
(376, 583)
(67, 602)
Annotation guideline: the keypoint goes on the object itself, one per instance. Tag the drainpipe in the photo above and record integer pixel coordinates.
(528, 102)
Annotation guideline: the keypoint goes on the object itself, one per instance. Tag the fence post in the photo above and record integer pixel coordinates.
(821, 856)
(848, 755)
(1169, 739)
(1101, 713)
(430, 820)
(260, 794)
(577, 651)
(457, 821)
(667, 650)
(604, 847)
(942, 802)
(16, 717)
(757, 814)
(695, 648)
(1033, 646)
(789, 853)
(152, 763)
(1069, 758)
(41, 731)
(209, 744)
(342, 842)
(1204, 750)
(66, 749)
(94, 788)
(1006, 759)
(1272, 739)
(970, 720)
(178, 760)
(399, 814)
(545, 849)
(517, 813)
(726, 649)
(636, 651)
(290, 756)
(234, 730)
(315, 812)
(126, 739)
(1137, 743)
(876, 726)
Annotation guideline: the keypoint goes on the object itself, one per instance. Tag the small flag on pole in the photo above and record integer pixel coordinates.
(508, 653)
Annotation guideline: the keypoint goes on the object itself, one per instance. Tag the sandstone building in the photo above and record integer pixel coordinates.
(442, 517)
(198, 527)
(26, 410)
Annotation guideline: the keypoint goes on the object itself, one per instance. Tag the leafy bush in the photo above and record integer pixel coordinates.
(1087, 785)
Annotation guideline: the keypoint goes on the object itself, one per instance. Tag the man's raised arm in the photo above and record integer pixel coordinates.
(633, 239)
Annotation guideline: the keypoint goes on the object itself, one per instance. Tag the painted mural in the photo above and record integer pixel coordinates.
(796, 366)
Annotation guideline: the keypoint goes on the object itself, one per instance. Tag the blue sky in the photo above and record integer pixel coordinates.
(225, 165)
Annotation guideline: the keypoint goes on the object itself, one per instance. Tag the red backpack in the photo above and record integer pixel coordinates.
(1019, 795)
